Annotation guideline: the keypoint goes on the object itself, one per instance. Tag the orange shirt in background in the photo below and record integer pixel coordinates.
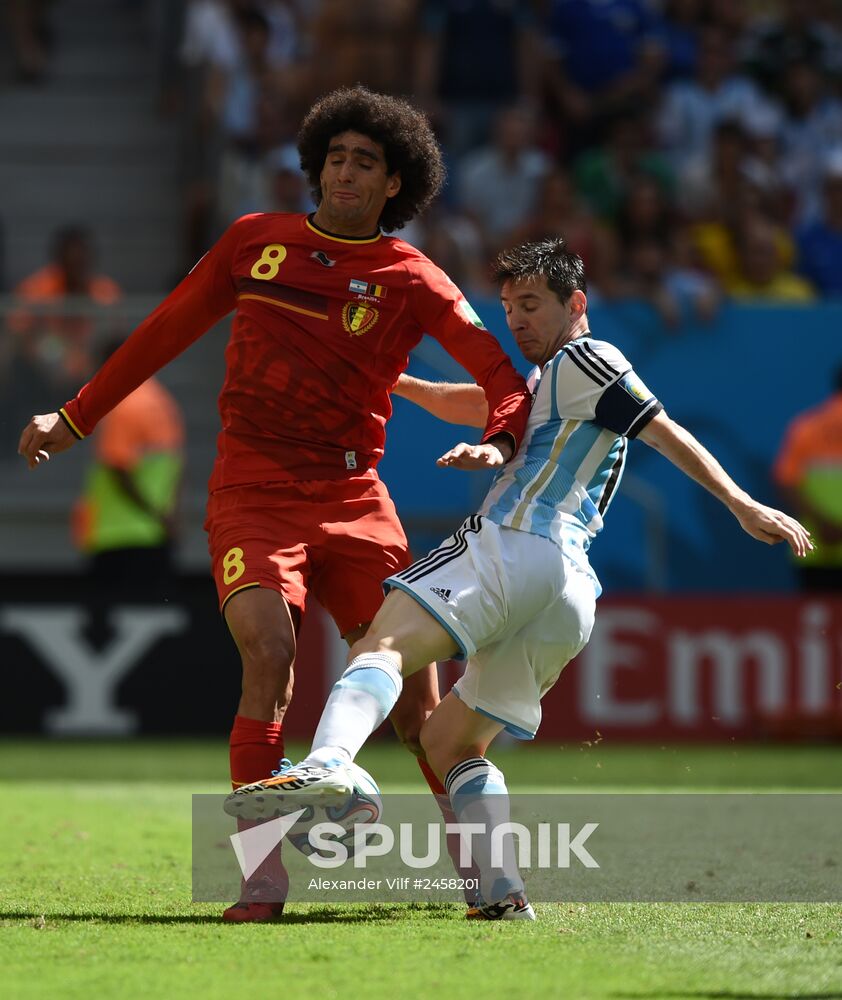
(48, 285)
(147, 420)
(143, 436)
(57, 340)
(813, 439)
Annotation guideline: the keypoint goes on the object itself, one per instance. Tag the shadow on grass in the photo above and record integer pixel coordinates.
(363, 913)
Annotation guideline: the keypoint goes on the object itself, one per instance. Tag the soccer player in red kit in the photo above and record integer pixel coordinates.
(327, 311)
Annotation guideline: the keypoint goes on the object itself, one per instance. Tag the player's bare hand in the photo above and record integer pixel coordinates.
(472, 456)
(43, 436)
(773, 526)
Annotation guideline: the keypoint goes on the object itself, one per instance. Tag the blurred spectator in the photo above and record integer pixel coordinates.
(31, 36)
(498, 183)
(718, 238)
(558, 212)
(125, 520)
(454, 242)
(606, 56)
(288, 190)
(2, 257)
(820, 241)
(796, 34)
(762, 272)
(678, 34)
(211, 38)
(366, 42)
(679, 292)
(604, 174)
(56, 337)
(165, 20)
(645, 211)
(832, 17)
(808, 471)
(708, 183)
(691, 109)
(657, 266)
(733, 18)
(764, 165)
(242, 85)
(645, 266)
(249, 102)
(473, 58)
(697, 293)
(813, 124)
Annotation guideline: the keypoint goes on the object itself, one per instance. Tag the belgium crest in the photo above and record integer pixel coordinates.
(358, 318)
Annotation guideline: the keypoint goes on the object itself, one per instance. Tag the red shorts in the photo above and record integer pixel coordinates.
(336, 540)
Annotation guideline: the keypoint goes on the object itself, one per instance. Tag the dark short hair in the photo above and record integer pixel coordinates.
(249, 18)
(403, 131)
(729, 128)
(550, 259)
(66, 236)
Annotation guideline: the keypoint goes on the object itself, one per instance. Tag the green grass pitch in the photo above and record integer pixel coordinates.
(95, 893)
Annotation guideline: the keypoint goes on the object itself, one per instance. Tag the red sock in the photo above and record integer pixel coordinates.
(454, 842)
(255, 747)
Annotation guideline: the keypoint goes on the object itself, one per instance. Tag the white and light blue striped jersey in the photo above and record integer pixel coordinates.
(587, 402)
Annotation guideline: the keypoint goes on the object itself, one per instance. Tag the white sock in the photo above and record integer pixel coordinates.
(478, 794)
(359, 702)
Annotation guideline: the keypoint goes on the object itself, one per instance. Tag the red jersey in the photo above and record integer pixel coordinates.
(323, 328)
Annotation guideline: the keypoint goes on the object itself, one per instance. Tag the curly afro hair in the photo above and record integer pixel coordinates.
(402, 130)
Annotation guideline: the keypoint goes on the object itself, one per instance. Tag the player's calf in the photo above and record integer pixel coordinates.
(418, 698)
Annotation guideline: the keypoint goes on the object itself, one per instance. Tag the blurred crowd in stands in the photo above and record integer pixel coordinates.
(689, 150)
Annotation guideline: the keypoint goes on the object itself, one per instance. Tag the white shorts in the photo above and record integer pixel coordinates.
(518, 605)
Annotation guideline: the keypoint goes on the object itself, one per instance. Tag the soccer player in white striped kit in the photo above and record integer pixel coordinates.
(512, 591)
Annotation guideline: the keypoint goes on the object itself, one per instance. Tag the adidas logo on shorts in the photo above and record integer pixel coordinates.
(441, 592)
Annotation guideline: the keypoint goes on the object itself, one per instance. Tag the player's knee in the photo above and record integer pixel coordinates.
(264, 643)
(369, 643)
(443, 749)
(261, 628)
(267, 665)
(433, 750)
(267, 653)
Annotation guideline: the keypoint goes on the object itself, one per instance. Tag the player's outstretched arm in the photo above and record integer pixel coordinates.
(454, 402)
(44, 435)
(764, 523)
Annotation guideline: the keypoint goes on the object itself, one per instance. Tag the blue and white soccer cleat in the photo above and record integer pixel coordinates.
(292, 787)
(515, 906)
